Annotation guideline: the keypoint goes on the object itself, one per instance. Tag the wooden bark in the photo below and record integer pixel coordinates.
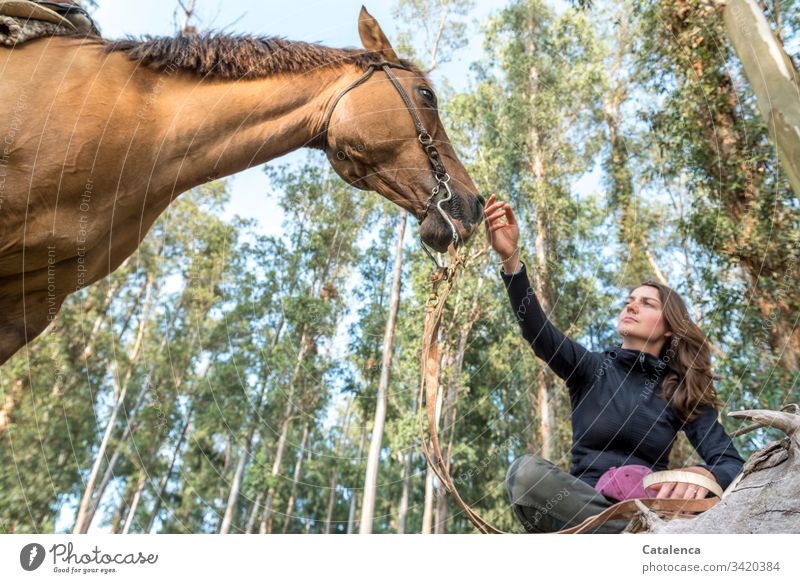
(162, 487)
(238, 476)
(135, 502)
(108, 475)
(772, 76)
(351, 516)
(12, 396)
(545, 379)
(729, 169)
(123, 508)
(253, 515)
(402, 511)
(298, 468)
(335, 472)
(266, 521)
(427, 506)
(376, 440)
(764, 498)
(85, 509)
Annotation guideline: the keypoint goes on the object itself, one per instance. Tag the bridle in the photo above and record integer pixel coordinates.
(425, 140)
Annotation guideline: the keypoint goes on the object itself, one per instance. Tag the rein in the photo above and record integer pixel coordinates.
(429, 385)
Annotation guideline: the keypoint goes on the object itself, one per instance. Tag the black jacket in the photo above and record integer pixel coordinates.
(617, 416)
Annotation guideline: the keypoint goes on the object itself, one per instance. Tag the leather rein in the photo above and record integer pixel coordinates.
(434, 307)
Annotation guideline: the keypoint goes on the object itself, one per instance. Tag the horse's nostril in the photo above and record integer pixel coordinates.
(480, 200)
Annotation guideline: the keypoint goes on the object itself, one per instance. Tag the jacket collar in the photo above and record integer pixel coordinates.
(629, 357)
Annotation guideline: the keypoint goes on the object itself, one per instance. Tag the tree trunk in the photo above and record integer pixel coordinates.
(772, 76)
(130, 425)
(85, 510)
(135, 502)
(162, 487)
(123, 507)
(545, 379)
(253, 516)
(450, 391)
(238, 475)
(451, 400)
(108, 475)
(376, 441)
(335, 472)
(728, 163)
(351, 516)
(298, 468)
(234, 492)
(266, 521)
(402, 511)
(427, 508)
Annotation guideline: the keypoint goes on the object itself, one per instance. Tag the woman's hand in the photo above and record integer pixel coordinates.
(684, 490)
(502, 231)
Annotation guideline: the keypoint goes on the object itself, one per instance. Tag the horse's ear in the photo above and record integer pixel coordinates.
(373, 38)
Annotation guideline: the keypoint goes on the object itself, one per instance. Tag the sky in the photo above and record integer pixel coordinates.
(332, 23)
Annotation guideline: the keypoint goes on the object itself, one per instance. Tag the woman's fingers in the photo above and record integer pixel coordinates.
(491, 208)
(688, 491)
(495, 216)
(512, 220)
(665, 489)
(680, 490)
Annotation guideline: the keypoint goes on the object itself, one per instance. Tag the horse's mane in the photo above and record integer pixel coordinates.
(239, 56)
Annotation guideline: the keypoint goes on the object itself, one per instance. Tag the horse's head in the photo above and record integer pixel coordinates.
(376, 141)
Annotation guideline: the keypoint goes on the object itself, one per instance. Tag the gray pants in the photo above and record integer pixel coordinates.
(545, 498)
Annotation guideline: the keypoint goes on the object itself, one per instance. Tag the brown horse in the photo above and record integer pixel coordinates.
(98, 137)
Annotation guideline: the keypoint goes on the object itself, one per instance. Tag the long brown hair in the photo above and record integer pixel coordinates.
(688, 382)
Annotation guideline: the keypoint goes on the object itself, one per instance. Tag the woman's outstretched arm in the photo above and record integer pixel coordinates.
(568, 359)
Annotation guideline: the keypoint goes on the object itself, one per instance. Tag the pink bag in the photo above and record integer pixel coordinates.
(625, 483)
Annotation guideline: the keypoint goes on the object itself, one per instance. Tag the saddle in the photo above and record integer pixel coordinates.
(65, 14)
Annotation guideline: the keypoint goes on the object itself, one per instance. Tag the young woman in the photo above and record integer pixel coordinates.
(628, 403)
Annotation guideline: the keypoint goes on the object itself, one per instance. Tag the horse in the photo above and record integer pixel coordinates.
(98, 137)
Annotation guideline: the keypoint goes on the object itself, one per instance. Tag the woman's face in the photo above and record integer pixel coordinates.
(642, 317)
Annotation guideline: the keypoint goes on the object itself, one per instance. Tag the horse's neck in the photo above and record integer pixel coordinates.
(214, 128)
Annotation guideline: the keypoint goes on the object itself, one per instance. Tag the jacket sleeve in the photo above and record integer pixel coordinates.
(568, 359)
(709, 438)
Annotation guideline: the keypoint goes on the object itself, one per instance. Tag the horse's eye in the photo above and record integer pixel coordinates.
(428, 95)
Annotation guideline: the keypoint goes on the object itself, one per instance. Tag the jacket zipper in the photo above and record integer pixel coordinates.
(641, 360)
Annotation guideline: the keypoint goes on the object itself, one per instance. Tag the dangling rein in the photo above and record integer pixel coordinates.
(429, 383)
(444, 277)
